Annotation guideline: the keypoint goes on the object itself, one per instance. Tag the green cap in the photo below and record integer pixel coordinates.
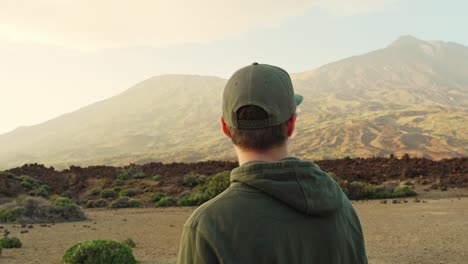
(262, 85)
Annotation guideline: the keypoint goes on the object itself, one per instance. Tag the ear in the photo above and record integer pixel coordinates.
(292, 125)
(225, 129)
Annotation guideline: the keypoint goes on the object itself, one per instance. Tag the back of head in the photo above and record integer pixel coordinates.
(258, 101)
(260, 139)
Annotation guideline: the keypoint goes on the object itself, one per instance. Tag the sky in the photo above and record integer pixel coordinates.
(57, 56)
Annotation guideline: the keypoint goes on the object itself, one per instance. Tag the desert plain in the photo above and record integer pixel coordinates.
(431, 230)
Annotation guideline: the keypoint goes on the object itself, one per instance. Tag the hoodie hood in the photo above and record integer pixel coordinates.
(299, 184)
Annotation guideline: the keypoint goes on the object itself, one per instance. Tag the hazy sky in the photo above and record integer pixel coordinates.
(59, 55)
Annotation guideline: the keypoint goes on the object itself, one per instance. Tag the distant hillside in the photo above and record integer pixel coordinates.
(410, 97)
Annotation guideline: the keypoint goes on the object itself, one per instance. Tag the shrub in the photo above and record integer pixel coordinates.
(139, 175)
(8, 175)
(117, 182)
(129, 242)
(42, 190)
(404, 191)
(108, 193)
(95, 191)
(361, 190)
(134, 203)
(123, 176)
(186, 201)
(29, 180)
(26, 185)
(157, 196)
(39, 210)
(10, 242)
(63, 201)
(165, 202)
(129, 192)
(99, 251)
(213, 186)
(99, 203)
(54, 197)
(117, 189)
(157, 177)
(193, 180)
(10, 215)
(125, 202)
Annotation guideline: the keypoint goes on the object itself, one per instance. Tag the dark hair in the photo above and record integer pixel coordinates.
(257, 139)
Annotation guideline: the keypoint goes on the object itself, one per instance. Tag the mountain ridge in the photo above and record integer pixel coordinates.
(395, 100)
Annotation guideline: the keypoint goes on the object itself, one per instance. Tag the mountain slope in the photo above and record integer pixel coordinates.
(410, 97)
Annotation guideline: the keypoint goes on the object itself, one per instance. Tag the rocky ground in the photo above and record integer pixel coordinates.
(431, 229)
(78, 181)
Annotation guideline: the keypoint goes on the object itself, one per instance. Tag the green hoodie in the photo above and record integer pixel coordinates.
(287, 211)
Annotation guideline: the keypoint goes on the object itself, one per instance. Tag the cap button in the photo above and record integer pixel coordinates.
(255, 63)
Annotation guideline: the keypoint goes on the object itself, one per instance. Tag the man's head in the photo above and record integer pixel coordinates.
(259, 107)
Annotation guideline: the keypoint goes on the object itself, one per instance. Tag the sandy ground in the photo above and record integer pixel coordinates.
(435, 231)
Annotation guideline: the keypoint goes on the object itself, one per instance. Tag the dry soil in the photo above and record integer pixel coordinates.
(431, 231)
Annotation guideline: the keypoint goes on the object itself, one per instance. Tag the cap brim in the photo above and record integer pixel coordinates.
(298, 99)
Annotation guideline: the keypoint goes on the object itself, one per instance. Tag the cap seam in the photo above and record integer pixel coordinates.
(250, 82)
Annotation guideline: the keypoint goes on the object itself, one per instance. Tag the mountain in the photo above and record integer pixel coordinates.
(409, 97)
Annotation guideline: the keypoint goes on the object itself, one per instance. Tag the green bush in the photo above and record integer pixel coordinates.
(139, 175)
(99, 251)
(132, 172)
(213, 186)
(8, 175)
(129, 242)
(108, 193)
(404, 191)
(157, 196)
(361, 190)
(193, 180)
(125, 202)
(117, 189)
(27, 209)
(10, 215)
(123, 176)
(63, 201)
(26, 185)
(42, 191)
(135, 203)
(10, 242)
(157, 177)
(165, 202)
(95, 191)
(129, 192)
(117, 182)
(29, 180)
(99, 203)
(186, 201)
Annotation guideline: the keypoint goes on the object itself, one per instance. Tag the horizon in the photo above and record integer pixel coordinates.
(78, 63)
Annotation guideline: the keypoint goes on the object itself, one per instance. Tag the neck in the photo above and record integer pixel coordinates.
(272, 154)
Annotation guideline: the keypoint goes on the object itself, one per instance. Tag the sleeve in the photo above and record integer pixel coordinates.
(195, 248)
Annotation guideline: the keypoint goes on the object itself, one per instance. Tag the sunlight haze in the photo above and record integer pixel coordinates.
(59, 56)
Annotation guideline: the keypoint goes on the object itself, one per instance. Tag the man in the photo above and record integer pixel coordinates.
(278, 209)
